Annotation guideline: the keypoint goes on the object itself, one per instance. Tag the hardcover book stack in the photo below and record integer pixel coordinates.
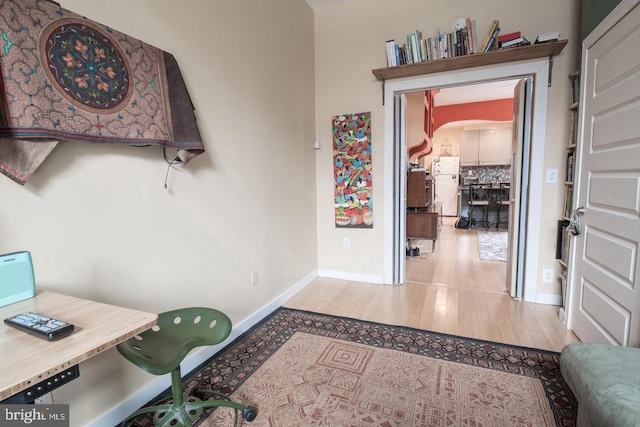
(548, 37)
(514, 39)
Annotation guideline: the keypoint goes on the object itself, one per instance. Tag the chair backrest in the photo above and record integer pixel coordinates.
(160, 349)
(479, 192)
(503, 193)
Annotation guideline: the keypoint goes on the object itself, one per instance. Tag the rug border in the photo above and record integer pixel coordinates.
(513, 346)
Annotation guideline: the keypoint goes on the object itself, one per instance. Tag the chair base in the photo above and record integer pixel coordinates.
(484, 219)
(169, 414)
(499, 220)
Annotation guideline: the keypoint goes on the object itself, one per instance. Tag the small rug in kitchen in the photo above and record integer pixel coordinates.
(492, 245)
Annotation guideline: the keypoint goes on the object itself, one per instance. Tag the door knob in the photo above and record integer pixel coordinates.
(574, 224)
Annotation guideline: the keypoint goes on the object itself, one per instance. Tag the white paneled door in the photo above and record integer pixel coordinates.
(606, 262)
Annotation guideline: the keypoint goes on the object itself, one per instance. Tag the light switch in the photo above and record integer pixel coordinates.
(552, 176)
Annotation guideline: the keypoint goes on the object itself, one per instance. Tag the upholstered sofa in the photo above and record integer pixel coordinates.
(606, 382)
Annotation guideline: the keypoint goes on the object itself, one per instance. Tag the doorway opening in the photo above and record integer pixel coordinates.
(396, 165)
(462, 142)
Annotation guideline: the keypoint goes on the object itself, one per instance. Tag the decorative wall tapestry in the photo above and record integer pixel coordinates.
(352, 170)
(67, 77)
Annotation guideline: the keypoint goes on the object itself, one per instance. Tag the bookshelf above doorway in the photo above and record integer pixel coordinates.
(539, 50)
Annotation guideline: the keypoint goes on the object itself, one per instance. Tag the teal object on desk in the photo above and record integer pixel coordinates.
(161, 349)
(17, 281)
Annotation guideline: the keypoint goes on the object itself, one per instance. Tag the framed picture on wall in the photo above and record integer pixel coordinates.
(353, 203)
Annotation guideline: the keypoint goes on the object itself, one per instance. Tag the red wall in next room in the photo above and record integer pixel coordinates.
(497, 110)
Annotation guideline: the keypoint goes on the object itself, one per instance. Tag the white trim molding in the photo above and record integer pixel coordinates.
(539, 68)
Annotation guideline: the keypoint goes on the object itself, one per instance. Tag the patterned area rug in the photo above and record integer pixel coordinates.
(304, 369)
(492, 245)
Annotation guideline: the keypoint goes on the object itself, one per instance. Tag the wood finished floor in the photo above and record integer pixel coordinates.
(448, 291)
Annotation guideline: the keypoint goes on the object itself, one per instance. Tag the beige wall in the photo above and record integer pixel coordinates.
(100, 224)
(350, 41)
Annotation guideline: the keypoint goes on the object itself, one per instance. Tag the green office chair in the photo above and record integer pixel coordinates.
(160, 350)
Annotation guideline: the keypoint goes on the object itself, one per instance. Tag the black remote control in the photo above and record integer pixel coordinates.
(40, 326)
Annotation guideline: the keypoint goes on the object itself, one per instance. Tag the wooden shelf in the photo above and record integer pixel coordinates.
(476, 60)
(574, 106)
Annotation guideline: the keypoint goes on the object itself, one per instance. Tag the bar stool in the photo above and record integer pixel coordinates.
(479, 196)
(503, 201)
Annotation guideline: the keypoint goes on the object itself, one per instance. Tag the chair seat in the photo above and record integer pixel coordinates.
(161, 349)
(479, 203)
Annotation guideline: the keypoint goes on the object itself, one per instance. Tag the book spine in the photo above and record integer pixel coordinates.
(391, 55)
(414, 47)
(487, 37)
(492, 40)
(474, 37)
(469, 37)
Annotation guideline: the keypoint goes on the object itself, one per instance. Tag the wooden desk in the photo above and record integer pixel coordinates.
(27, 360)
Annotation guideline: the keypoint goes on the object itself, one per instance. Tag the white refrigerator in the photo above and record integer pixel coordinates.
(445, 170)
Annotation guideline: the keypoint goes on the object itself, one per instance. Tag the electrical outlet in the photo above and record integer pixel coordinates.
(346, 243)
(254, 278)
(547, 275)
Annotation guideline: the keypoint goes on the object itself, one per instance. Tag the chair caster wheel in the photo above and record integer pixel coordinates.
(249, 414)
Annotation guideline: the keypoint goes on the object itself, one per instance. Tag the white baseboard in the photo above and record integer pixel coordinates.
(116, 414)
(549, 299)
(355, 277)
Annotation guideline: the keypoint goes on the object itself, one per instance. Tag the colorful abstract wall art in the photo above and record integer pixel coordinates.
(352, 170)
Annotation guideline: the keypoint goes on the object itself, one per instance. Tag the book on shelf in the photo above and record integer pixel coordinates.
(564, 255)
(487, 37)
(520, 41)
(462, 40)
(548, 37)
(474, 37)
(568, 201)
(391, 53)
(469, 37)
(562, 240)
(492, 45)
(575, 85)
(509, 36)
(570, 166)
(573, 128)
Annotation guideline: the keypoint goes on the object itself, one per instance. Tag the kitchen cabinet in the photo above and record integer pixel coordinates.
(469, 148)
(486, 147)
(494, 146)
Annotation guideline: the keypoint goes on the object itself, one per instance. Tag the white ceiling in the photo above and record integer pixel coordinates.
(319, 4)
(475, 93)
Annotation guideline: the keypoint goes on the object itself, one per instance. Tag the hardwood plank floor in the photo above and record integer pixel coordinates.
(449, 291)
